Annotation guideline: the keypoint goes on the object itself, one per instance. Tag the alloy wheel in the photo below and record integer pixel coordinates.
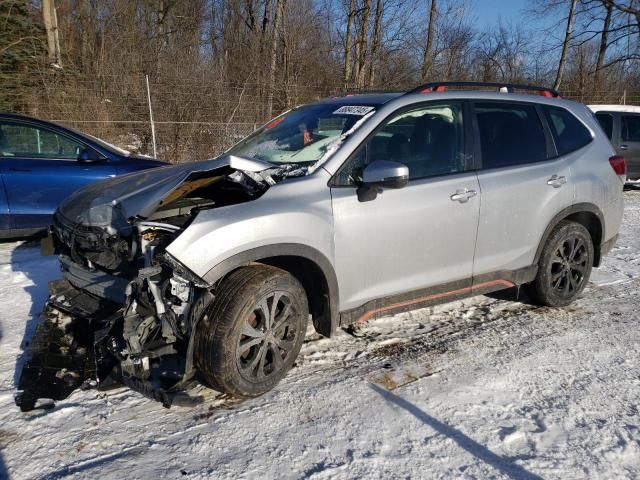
(268, 336)
(568, 266)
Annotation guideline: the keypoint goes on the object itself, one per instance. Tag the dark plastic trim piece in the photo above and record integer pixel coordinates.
(573, 209)
(448, 292)
(325, 326)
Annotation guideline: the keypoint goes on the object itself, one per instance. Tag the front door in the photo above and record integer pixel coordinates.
(420, 236)
(40, 168)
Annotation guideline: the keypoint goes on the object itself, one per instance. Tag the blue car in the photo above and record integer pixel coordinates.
(42, 163)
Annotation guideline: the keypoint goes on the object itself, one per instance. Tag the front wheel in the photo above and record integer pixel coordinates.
(251, 333)
(565, 265)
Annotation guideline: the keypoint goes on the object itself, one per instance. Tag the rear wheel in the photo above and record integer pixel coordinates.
(251, 333)
(565, 265)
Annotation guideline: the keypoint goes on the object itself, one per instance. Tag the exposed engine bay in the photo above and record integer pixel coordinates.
(125, 311)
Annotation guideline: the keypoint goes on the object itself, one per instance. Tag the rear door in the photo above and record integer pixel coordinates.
(40, 168)
(629, 145)
(523, 180)
(416, 237)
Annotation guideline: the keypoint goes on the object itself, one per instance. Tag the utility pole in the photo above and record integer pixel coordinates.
(153, 127)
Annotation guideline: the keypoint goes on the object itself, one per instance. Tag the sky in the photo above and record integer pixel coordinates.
(488, 12)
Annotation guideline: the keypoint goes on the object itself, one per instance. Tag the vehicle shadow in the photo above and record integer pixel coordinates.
(631, 187)
(513, 294)
(27, 265)
(4, 474)
(82, 467)
(502, 465)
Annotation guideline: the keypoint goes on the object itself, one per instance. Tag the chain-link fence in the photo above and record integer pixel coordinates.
(175, 141)
(193, 119)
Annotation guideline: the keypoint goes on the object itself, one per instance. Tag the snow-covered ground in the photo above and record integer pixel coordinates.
(486, 387)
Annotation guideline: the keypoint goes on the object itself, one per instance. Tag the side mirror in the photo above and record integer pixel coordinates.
(382, 174)
(89, 155)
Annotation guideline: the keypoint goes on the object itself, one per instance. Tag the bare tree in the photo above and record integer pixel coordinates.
(362, 43)
(280, 5)
(602, 51)
(427, 60)
(50, 20)
(375, 42)
(565, 44)
(351, 14)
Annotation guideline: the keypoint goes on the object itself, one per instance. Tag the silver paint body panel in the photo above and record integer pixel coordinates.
(414, 237)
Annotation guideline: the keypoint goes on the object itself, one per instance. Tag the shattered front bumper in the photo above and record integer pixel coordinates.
(70, 348)
(60, 357)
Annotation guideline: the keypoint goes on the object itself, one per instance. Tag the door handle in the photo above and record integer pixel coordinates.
(624, 147)
(463, 196)
(557, 181)
(14, 169)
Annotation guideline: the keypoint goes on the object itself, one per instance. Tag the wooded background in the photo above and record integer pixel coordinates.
(219, 68)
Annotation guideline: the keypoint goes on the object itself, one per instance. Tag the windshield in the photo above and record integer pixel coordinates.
(301, 136)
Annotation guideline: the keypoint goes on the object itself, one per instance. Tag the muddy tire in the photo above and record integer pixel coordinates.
(251, 332)
(564, 267)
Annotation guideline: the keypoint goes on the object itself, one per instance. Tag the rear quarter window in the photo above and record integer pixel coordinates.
(569, 134)
(606, 122)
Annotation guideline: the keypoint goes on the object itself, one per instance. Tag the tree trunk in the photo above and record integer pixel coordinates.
(565, 45)
(347, 44)
(286, 59)
(362, 44)
(375, 43)
(86, 45)
(273, 54)
(427, 61)
(50, 20)
(265, 16)
(602, 52)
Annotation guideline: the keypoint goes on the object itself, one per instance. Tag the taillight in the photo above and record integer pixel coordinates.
(619, 165)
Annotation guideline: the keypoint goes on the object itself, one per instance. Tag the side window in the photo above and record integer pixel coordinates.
(630, 128)
(429, 140)
(568, 132)
(20, 140)
(510, 134)
(606, 122)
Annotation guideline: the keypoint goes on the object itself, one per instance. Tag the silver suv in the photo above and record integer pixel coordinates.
(335, 212)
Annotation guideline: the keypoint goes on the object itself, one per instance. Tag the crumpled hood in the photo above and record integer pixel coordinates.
(111, 202)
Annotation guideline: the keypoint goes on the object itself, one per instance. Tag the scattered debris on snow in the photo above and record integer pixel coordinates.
(484, 387)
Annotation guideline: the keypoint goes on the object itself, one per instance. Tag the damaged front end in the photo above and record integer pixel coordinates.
(125, 311)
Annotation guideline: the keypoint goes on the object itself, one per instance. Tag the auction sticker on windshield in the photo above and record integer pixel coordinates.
(353, 110)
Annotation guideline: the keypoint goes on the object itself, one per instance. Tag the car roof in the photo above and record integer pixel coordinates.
(615, 108)
(15, 116)
(379, 99)
(85, 137)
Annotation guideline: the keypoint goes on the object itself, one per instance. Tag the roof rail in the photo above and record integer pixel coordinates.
(510, 87)
(350, 93)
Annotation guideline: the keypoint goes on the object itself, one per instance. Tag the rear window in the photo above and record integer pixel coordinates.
(606, 122)
(568, 132)
(510, 134)
(630, 128)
